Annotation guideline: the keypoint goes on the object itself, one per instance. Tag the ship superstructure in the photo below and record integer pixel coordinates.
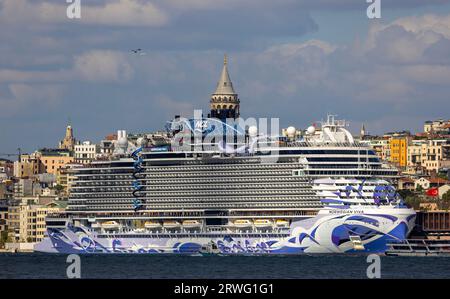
(318, 192)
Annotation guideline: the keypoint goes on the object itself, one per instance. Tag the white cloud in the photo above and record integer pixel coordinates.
(103, 66)
(42, 92)
(421, 24)
(117, 13)
(31, 76)
(293, 49)
(290, 67)
(19, 98)
(92, 66)
(428, 74)
(172, 107)
(406, 39)
(393, 72)
(125, 12)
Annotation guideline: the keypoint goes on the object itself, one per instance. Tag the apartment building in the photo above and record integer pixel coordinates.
(55, 159)
(65, 177)
(28, 166)
(3, 217)
(436, 126)
(398, 150)
(430, 155)
(86, 152)
(26, 223)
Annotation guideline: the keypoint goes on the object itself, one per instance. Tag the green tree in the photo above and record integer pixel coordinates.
(9, 239)
(59, 188)
(419, 188)
(442, 176)
(405, 193)
(3, 238)
(413, 202)
(446, 196)
(443, 204)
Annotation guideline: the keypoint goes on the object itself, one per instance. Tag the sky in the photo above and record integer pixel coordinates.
(293, 59)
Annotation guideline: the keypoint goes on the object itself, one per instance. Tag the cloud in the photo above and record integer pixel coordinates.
(158, 13)
(173, 107)
(19, 97)
(428, 74)
(409, 40)
(103, 66)
(25, 92)
(304, 4)
(173, 25)
(398, 71)
(34, 76)
(426, 23)
(116, 13)
(287, 50)
(289, 67)
(91, 66)
(125, 13)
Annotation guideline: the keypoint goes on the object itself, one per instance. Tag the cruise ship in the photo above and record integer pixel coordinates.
(316, 190)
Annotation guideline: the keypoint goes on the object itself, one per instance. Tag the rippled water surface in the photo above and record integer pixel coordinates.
(38, 265)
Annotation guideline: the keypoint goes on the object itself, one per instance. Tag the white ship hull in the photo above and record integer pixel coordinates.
(333, 230)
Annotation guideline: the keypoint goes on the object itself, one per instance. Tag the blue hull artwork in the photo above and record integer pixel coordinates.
(331, 231)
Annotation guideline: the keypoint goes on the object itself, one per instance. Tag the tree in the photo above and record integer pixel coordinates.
(446, 196)
(405, 193)
(3, 238)
(413, 202)
(9, 239)
(443, 204)
(419, 188)
(442, 176)
(59, 188)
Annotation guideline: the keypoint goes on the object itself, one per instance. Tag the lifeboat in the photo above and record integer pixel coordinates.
(152, 224)
(263, 223)
(110, 225)
(191, 223)
(282, 223)
(241, 223)
(171, 224)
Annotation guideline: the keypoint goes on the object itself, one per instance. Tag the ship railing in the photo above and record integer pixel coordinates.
(420, 245)
(60, 215)
(325, 144)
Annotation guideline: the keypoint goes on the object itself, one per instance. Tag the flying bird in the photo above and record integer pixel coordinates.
(138, 51)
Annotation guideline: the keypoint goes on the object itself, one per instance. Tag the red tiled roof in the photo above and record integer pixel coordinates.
(438, 181)
(111, 137)
(407, 180)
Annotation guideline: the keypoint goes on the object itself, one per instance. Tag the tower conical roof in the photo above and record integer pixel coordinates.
(225, 86)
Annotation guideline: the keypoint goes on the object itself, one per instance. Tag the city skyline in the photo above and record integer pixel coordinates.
(287, 61)
(313, 131)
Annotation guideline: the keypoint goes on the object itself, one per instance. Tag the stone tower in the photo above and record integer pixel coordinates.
(362, 133)
(69, 141)
(224, 101)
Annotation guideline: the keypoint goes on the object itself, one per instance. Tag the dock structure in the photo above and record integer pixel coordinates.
(419, 247)
(434, 223)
